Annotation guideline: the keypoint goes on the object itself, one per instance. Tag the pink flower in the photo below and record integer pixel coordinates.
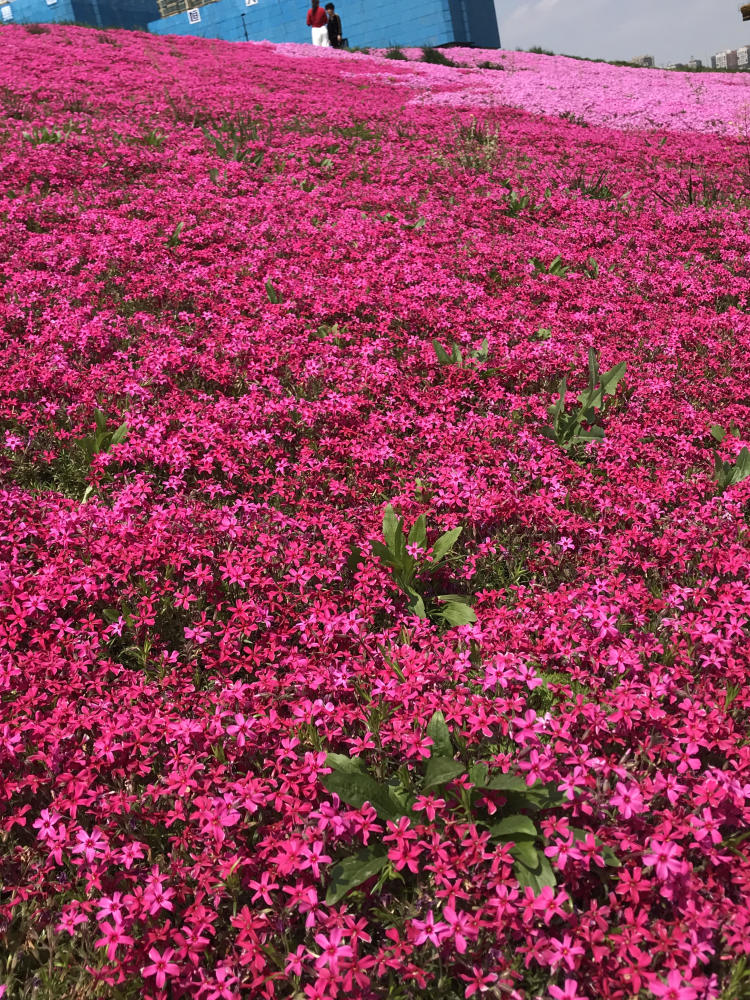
(90, 845)
(673, 989)
(333, 950)
(665, 857)
(628, 799)
(430, 930)
(564, 952)
(113, 935)
(568, 992)
(161, 968)
(478, 981)
(460, 928)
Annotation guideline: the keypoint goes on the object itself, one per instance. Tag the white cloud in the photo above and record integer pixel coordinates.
(671, 30)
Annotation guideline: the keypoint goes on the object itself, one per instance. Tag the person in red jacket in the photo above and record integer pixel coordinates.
(317, 21)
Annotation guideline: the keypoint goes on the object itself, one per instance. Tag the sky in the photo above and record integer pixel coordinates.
(670, 30)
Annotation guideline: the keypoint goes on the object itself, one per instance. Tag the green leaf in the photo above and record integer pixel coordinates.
(440, 735)
(218, 144)
(593, 368)
(610, 380)
(557, 408)
(594, 433)
(536, 878)
(416, 603)
(440, 353)
(174, 239)
(610, 857)
(101, 420)
(441, 770)
(506, 783)
(607, 853)
(478, 774)
(353, 871)
(742, 466)
(355, 788)
(717, 432)
(539, 796)
(444, 544)
(390, 527)
(526, 853)
(348, 765)
(514, 828)
(88, 444)
(354, 558)
(385, 555)
(418, 533)
(457, 613)
(120, 434)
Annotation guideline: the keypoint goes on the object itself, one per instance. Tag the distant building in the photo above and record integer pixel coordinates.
(713, 62)
(726, 59)
(695, 64)
(743, 56)
(644, 61)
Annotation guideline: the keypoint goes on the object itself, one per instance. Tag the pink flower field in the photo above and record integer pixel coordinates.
(374, 525)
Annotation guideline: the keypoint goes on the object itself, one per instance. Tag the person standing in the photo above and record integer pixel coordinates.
(334, 26)
(318, 23)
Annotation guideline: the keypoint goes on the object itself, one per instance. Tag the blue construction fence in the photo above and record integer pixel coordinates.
(365, 24)
(375, 25)
(134, 14)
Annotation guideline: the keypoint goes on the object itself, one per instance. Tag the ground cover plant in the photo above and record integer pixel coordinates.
(373, 537)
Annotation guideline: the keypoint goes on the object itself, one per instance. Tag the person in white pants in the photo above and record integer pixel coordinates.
(317, 21)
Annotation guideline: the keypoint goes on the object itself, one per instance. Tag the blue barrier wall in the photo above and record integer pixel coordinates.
(365, 23)
(377, 25)
(96, 13)
(28, 11)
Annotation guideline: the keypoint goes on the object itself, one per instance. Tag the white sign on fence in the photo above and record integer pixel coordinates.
(6, 12)
(250, 3)
(51, 3)
(194, 16)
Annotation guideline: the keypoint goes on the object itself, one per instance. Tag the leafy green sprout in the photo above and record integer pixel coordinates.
(456, 357)
(396, 798)
(580, 426)
(409, 570)
(40, 136)
(729, 474)
(101, 441)
(556, 268)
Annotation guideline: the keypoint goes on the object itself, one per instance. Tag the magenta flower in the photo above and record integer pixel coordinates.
(665, 857)
(112, 937)
(161, 967)
(569, 991)
(673, 989)
(333, 950)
